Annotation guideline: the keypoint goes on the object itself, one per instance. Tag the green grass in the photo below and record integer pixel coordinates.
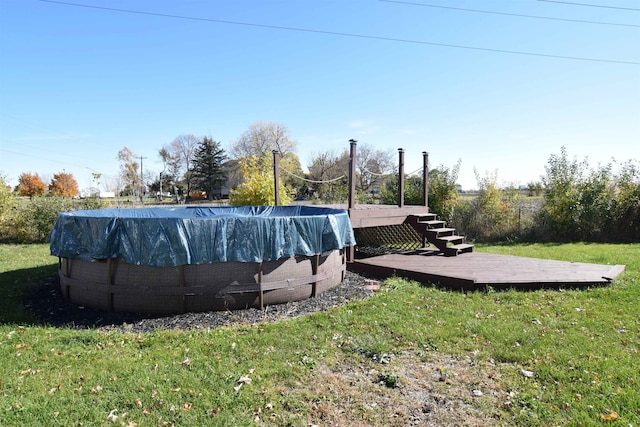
(581, 345)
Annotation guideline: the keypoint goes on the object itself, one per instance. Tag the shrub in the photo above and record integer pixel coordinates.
(491, 216)
(31, 220)
(590, 204)
(443, 190)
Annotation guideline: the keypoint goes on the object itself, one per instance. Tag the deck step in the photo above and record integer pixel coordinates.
(438, 234)
(442, 230)
(434, 223)
(425, 216)
(450, 239)
(458, 249)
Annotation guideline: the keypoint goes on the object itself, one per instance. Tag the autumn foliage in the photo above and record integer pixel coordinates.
(30, 185)
(63, 184)
(258, 186)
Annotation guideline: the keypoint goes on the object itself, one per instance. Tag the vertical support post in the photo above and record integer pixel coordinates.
(315, 264)
(400, 177)
(141, 180)
(352, 189)
(352, 173)
(110, 283)
(181, 283)
(276, 176)
(425, 179)
(67, 274)
(260, 291)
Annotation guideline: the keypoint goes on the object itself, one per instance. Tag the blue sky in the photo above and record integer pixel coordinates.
(77, 84)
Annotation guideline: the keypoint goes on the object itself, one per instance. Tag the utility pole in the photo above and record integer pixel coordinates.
(141, 179)
(276, 177)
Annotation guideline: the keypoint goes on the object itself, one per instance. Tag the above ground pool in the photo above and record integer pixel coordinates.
(172, 260)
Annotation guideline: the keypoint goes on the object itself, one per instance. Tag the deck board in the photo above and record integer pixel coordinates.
(479, 270)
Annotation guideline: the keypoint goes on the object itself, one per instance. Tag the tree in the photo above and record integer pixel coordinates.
(207, 166)
(327, 166)
(30, 185)
(370, 165)
(262, 138)
(129, 171)
(443, 189)
(257, 188)
(6, 205)
(63, 184)
(181, 152)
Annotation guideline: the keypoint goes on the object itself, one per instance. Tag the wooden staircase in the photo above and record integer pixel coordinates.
(437, 233)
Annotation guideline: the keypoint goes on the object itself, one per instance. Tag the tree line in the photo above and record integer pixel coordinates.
(195, 167)
(576, 201)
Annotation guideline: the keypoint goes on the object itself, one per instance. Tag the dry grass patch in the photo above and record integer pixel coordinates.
(408, 389)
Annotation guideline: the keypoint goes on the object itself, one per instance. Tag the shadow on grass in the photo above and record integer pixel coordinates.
(33, 297)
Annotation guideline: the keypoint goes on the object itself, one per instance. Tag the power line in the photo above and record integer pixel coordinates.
(591, 5)
(47, 159)
(342, 34)
(509, 14)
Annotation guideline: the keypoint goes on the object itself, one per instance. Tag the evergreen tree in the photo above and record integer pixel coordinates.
(207, 169)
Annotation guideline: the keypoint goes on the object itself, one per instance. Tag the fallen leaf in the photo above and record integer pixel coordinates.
(138, 402)
(112, 416)
(97, 389)
(611, 416)
(187, 406)
(186, 362)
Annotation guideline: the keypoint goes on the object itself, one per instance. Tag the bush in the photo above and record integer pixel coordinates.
(31, 220)
(491, 216)
(590, 204)
(443, 190)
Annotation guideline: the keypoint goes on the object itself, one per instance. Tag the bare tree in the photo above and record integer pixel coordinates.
(370, 164)
(178, 155)
(262, 138)
(327, 166)
(128, 170)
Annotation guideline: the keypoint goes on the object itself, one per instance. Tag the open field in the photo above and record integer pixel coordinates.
(410, 354)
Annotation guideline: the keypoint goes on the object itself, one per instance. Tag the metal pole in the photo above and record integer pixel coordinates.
(425, 179)
(276, 177)
(400, 177)
(352, 174)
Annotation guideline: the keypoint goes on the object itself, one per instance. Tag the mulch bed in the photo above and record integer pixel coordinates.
(49, 307)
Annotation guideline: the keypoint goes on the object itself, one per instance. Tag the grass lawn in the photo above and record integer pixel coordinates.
(411, 352)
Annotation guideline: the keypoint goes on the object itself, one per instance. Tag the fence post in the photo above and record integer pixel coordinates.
(400, 177)
(425, 179)
(276, 177)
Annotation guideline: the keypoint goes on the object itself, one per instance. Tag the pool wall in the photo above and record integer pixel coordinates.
(114, 285)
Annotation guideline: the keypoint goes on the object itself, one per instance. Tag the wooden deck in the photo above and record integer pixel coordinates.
(363, 216)
(477, 270)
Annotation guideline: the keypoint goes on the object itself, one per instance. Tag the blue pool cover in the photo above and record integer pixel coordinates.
(165, 237)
